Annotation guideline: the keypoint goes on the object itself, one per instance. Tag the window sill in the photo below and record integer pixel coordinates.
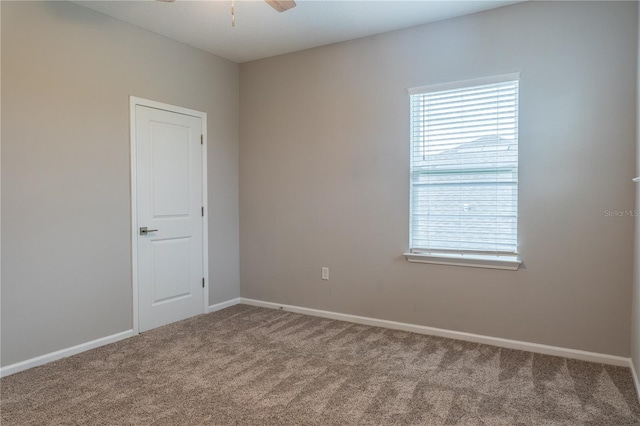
(509, 263)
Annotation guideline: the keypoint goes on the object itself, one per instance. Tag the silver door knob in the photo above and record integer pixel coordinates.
(145, 231)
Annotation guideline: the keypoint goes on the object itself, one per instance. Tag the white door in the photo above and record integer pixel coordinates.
(169, 216)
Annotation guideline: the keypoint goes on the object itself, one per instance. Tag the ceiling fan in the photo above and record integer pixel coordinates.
(279, 5)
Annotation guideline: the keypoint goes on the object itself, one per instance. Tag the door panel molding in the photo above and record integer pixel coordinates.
(133, 102)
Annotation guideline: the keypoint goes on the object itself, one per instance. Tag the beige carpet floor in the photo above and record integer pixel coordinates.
(254, 366)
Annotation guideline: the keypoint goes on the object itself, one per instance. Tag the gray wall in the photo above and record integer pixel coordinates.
(324, 161)
(67, 73)
(635, 318)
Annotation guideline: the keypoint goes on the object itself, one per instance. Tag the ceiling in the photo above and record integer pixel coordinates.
(261, 32)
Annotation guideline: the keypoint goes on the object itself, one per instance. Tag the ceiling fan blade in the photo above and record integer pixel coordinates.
(281, 5)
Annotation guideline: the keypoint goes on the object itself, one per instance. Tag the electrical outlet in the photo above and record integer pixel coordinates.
(325, 274)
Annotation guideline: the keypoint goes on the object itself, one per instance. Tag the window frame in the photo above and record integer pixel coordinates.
(470, 258)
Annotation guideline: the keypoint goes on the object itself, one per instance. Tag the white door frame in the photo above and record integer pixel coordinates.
(133, 102)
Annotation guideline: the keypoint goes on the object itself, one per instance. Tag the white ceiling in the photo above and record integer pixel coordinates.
(261, 32)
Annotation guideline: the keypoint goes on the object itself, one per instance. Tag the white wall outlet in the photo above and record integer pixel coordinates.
(325, 274)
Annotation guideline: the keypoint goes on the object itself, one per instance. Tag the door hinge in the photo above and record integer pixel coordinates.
(201, 139)
(202, 282)
(202, 211)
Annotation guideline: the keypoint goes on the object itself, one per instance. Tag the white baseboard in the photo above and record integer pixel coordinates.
(63, 353)
(222, 305)
(420, 329)
(636, 382)
(53, 356)
(469, 337)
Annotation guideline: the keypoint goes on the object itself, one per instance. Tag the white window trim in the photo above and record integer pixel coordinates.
(509, 263)
(464, 83)
(502, 262)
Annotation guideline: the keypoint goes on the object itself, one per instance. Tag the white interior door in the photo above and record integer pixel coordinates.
(169, 202)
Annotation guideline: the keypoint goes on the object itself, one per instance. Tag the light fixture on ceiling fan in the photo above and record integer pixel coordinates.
(279, 5)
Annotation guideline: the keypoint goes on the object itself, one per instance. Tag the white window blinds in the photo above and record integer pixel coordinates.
(464, 167)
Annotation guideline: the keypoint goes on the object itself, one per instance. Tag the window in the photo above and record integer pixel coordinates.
(464, 173)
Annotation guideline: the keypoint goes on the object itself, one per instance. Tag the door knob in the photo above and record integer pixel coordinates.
(145, 231)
